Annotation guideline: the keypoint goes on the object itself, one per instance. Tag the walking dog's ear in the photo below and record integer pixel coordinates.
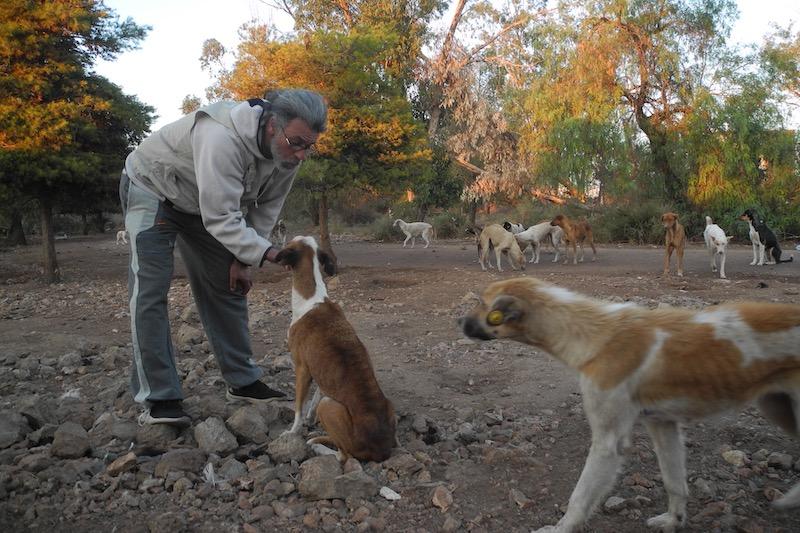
(327, 262)
(287, 257)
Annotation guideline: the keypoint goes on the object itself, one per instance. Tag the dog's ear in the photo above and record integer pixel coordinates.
(327, 262)
(509, 309)
(287, 257)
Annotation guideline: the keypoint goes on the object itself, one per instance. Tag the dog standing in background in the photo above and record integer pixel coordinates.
(503, 242)
(574, 234)
(536, 235)
(513, 227)
(278, 235)
(764, 240)
(717, 244)
(122, 237)
(675, 241)
(358, 419)
(414, 230)
(663, 366)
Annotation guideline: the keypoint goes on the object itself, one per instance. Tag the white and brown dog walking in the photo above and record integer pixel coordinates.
(665, 366)
(358, 418)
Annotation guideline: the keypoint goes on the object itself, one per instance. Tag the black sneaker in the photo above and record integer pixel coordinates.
(165, 412)
(256, 392)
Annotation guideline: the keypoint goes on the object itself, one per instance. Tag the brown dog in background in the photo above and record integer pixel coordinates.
(675, 241)
(359, 420)
(575, 233)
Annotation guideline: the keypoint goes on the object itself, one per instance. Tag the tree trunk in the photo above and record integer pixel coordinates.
(659, 148)
(99, 222)
(16, 234)
(324, 232)
(422, 212)
(473, 212)
(50, 264)
(85, 223)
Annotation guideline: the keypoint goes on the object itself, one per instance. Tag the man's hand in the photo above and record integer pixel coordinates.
(272, 253)
(240, 277)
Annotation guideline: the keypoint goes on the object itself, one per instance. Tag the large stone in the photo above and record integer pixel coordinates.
(355, 485)
(108, 426)
(232, 469)
(13, 428)
(121, 464)
(157, 436)
(248, 425)
(403, 464)
(317, 476)
(213, 437)
(189, 335)
(288, 447)
(70, 441)
(184, 460)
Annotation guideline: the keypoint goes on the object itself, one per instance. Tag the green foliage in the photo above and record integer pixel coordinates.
(638, 223)
(449, 224)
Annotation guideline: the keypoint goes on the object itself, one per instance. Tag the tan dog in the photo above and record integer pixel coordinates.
(675, 241)
(666, 366)
(359, 419)
(494, 235)
(575, 233)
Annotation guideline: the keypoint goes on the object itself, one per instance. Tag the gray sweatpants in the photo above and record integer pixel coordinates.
(154, 228)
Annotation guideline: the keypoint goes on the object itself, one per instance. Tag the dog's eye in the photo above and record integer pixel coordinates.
(495, 318)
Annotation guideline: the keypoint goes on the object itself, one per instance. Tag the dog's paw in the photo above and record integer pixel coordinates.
(667, 522)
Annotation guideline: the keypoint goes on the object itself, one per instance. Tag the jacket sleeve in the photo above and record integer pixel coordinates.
(220, 168)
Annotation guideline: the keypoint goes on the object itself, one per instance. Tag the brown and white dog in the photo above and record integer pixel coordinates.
(675, 241)
(359, 420)
(665, 366)
(575, 232)
(503, 242)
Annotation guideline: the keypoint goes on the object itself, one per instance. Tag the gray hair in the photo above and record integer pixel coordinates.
(289, 104)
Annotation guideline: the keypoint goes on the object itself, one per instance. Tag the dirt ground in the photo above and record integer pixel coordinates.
(506, 436)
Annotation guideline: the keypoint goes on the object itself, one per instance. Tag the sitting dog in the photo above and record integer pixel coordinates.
(503, 242)
(513, 227)
(764, 239)
(536, 235)
(717, 244)
(675, 240)
(122, 237)
(278, 235)
(665, 366)
(414, 230)
(574, 234)
(359, 420)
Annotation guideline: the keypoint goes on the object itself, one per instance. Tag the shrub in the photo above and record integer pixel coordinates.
(449, 224)
(633, 223)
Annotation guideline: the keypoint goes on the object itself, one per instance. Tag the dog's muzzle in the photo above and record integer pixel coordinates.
(472, 328)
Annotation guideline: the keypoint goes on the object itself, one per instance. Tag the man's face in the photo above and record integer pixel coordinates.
(291, 144)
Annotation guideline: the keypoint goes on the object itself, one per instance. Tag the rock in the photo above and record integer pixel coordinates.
(780, 460)
(121, 464)
(442, 498)
(213, 437)
(704, 488)
(450, 525)
(288, 447)
(183, 460)
(13, 428)
(248, 425)
(232, 469)
(760, 455)
(156, 436)
(190, 315)
(43, 435)
(188, 335)
(403, 464)
(389, 494)
(615, 504)
(108, 426)
(735, 457)
(171, 521)
(355, 485)
(70, 441)
(317, 477)
(519, 498)
(466, 433)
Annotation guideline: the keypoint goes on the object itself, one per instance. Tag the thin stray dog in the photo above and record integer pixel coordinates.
(675, 241)
(503, 242)
(414, 230)
(122, 236)
(764, 239)
(359, 420)
(278, 235)
(667, 366)
(513, 227)
(536, 235)
(574, 234)
(475, 231)
(717, 244)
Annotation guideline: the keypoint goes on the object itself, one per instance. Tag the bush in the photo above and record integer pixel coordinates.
(449, 225)
(383, 230)
(633, 223)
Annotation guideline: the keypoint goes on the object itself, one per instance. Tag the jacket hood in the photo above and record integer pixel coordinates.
(245, 121)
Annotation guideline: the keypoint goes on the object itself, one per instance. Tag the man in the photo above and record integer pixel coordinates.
(214, 181)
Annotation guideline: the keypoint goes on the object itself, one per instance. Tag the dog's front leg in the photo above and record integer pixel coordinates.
(671, 453)
(302, 382)
(311, 413)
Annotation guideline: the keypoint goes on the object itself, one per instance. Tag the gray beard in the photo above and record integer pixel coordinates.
(276, 156)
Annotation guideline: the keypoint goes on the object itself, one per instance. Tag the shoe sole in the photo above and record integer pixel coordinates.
(235, 398)
(183, 422)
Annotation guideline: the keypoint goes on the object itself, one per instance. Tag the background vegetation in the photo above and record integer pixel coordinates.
(616, 110)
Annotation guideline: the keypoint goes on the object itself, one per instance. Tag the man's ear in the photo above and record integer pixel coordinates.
(328, 265)
(287, 257)
(510, 307)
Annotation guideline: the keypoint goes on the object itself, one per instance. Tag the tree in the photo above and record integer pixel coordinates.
(49, 102)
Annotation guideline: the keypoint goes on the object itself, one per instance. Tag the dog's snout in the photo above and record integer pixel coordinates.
(472, 328)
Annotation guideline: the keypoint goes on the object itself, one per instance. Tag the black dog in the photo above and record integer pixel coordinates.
(766, 236)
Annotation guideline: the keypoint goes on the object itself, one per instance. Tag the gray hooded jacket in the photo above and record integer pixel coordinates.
(208, 163)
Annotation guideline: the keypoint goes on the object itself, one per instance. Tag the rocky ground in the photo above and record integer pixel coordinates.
(492, 435)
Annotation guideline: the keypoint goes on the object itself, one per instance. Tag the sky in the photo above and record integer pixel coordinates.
(166, 66)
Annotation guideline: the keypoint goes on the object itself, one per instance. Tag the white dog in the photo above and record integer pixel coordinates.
(536, 235)
(662, 366)
(717, 244)
(122, 236)
(495, 236)
(414, 230)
